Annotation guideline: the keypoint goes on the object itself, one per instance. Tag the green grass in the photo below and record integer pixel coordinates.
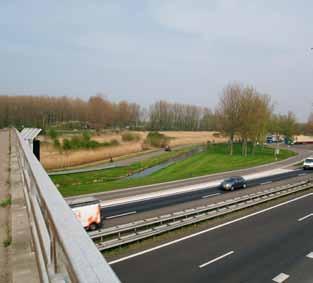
(214, 160)
(5, 202)
(69, 181)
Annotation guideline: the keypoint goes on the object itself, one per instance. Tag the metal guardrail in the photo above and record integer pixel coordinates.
(64, 251)
(124, 234)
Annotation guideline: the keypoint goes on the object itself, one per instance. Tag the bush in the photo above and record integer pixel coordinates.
(84, 141)
(86, 136)
(67, 144)
(56, 143)
(52, 133)
(156, 139)
(128, 136)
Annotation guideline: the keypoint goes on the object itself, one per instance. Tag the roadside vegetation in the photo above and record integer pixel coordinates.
(215, 159)
(156, 139)
(116, 173)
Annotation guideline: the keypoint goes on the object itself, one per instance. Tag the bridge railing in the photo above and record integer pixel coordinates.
(64, 251)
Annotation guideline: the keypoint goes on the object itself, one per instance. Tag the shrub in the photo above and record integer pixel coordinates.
(157, 139)
(84, 141)
(52, 133)
(128, 136)
(66, 144)
(86, 136)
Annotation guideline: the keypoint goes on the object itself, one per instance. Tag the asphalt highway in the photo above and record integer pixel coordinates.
(155, 203)
(272, 245)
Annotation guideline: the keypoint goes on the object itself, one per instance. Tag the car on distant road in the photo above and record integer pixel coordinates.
(233, 183)
(308, 163)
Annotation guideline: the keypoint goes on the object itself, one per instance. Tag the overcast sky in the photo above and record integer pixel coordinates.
(143, 51)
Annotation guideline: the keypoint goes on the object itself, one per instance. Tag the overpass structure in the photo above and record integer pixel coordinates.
(47, 243)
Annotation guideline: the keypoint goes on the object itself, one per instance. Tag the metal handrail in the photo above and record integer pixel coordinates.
(64, 251)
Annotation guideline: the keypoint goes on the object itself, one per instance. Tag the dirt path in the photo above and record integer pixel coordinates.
(4, 211)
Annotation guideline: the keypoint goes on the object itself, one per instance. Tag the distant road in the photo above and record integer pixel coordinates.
(274, 245)
(118, 163)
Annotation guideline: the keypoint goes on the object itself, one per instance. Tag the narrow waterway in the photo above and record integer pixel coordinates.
(156, 168)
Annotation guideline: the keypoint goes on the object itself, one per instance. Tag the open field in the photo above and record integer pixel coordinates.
(54, 158)
(215, 159)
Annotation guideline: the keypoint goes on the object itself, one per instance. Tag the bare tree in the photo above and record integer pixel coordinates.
(228, 112)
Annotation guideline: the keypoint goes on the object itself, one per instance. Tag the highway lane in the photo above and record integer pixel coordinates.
(155, 203)
(267, 245)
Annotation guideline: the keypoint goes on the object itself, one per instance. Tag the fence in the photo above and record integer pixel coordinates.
(64, 251)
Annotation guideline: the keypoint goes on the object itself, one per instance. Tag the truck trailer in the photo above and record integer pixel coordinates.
(87, 211)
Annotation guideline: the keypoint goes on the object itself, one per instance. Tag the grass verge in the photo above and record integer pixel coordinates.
(214, 160)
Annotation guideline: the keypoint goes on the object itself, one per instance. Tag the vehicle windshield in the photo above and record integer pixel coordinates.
(309, 160)
(230, 180)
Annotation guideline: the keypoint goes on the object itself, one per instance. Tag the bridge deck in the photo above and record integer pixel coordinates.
(17, 257)
(4, 211)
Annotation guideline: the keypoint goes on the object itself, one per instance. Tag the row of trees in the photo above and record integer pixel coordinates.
(98, 112)
(242, 113)
(44, 111)
(175, 116)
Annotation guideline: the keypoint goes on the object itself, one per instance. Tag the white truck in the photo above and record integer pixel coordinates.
(87, 211)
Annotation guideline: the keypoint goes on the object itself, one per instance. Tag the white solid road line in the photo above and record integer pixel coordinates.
(211, 195)
(305, 217)
(281, 278)
(120, 215)
(216, 259)
(310, 255)
(266, 183)
(210, 229)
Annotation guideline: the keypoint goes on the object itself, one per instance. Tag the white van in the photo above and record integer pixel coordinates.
(308, 163)
(88, 212)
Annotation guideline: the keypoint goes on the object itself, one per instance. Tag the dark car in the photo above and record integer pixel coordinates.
(233, 183)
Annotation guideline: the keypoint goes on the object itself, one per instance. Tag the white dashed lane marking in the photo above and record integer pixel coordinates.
(211, 195)
(120, 215)
(216, 259)
(310, 255)
(305, 217)
(266, 183)
(281, 278)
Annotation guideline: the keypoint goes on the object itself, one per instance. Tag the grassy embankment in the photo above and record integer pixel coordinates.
(215, 159)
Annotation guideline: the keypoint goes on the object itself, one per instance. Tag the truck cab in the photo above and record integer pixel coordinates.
(87, 211)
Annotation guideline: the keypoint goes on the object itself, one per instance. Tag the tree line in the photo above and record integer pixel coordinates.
(164, 115)
(46, 111)
(242, 113)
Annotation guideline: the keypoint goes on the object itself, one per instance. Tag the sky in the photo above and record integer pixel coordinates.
(144, 51)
